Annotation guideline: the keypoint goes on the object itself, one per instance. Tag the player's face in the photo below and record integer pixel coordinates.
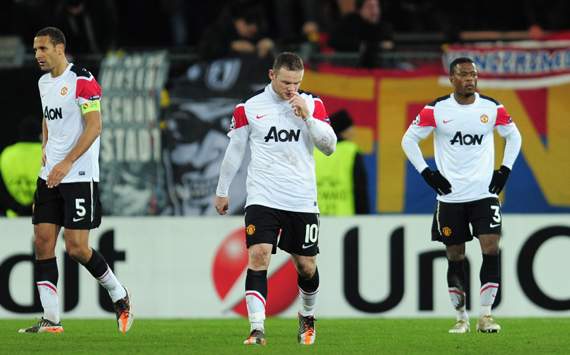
(464, 79)
(47, 55)
(286, 82)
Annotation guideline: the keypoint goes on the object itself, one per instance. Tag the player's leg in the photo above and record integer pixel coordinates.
(259, 256)
(489, 282)
(77, 246)
(308, 282)
(300, 238)
(456, 278)
(47, 218)
(262, 227)
(46, 276)
(451, 227)
(487, 225)
(83, 213)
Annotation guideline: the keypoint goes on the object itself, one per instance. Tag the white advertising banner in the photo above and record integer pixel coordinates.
(369, 266)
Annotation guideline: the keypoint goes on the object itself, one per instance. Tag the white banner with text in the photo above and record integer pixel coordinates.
(369, 266)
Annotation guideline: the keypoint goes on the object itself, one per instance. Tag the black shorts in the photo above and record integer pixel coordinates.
(294, 232)
(73, 205)
(452, 221)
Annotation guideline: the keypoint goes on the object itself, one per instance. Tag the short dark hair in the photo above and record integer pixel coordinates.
(458, 61)
(289, 61)
(55, 35)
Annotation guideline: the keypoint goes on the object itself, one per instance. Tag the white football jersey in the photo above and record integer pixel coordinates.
(463, 142)
(61, 99)
(281, 173)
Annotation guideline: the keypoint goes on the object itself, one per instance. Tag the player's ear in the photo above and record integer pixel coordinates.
(59, 48)
(271, 74)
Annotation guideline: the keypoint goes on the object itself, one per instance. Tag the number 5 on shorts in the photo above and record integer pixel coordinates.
(79, 209)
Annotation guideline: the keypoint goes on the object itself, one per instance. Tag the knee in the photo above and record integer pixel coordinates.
(42, 241)
(77, 252)
(492, 249)
(490, 246)
(307, 269)
(258, 258)
(455, 256)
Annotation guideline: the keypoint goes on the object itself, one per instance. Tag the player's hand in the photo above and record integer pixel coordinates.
(437, 181)
(221, 204)
(58, 172)
(499, 179)
(299, 106)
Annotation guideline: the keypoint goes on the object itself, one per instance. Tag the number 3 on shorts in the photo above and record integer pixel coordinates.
(311, 233)
(496, 214)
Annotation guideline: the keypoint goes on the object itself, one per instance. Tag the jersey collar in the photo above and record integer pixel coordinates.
(67, 69)
(468, 105)
(273, 94)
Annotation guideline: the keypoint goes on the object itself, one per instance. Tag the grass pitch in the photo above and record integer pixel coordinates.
(334, 336)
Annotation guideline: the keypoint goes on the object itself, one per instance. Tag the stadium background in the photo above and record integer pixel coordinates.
(166, 111)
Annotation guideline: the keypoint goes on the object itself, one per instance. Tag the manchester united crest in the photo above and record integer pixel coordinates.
(446, 231)
(63, 91)
(484, 118)
(250, 229)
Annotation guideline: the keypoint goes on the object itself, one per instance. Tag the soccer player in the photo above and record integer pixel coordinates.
(282, 125)
(67, 188)
(466, 184)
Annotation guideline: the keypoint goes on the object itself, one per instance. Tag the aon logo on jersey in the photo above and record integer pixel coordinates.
(53, 113)
(282, 135)
(466, 139)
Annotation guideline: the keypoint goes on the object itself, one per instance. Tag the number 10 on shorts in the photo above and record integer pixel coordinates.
(311, 233)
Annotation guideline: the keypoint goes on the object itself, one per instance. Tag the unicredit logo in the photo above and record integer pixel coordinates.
(229, 271)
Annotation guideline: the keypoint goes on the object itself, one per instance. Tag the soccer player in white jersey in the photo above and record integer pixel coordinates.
(67, 189)
(466, 184)
(281, 125)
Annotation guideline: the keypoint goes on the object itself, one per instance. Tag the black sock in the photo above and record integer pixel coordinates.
(96, 265)
(309, 285)
(257, 281)
(489, 269)
(46, 270)
(456, 274)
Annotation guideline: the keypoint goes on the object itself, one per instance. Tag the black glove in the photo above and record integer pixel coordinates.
(499, 179)
(437, 181)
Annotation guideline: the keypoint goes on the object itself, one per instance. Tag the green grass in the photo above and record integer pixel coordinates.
(335, 336)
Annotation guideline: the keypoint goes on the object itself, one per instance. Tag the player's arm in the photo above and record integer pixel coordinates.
(233, 158)
(44, 140)
(420, 128)
(513, 141)
(411, 147)
(322, 135)
(320, 130)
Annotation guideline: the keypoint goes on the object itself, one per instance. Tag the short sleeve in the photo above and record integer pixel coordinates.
(320, 113)
(87, 89)
(425, 118)
(503, 117)
(239, 119)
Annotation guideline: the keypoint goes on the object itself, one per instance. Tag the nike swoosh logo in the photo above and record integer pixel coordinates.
(306, 246)
(446, 121)
(494, 225)
(260, 116)
(78, 219)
